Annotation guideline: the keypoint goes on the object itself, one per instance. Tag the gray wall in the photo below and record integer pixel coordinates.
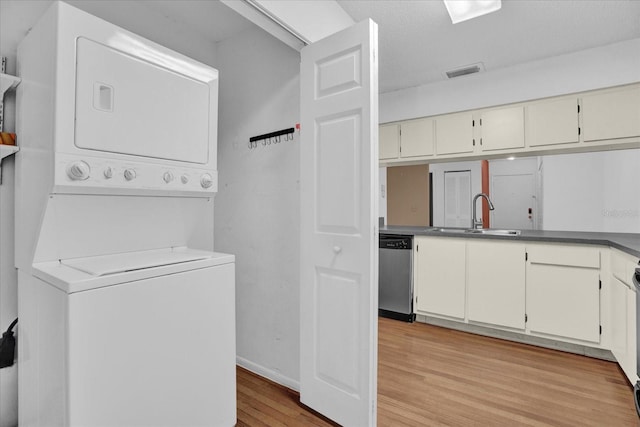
(257, 207)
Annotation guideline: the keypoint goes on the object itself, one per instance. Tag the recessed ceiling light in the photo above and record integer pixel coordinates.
(461, 10)
(511, 158)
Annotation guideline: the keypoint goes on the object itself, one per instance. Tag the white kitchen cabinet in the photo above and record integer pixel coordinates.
(611, 114)
(388, 141)
(502, 128)
(623, 313)
(440, 265)
(417, 138)
(454, 133)
(552, 122)
(563, 291)
(496, 283)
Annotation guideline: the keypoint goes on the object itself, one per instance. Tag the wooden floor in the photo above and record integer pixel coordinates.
(431, 376)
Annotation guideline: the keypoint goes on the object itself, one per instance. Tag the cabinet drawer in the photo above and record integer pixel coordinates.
(574, 256)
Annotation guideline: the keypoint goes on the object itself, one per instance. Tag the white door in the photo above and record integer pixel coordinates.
(513, 190)
(339, 225)
(514, 199)
(457, 199)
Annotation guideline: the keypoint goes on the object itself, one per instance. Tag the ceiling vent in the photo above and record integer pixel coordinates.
(469, 69)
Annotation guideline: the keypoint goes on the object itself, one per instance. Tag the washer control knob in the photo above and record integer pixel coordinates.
(206, 181)
(184, 178)
(108, 172)
(78, 171)
(129, 174)
(167, 177)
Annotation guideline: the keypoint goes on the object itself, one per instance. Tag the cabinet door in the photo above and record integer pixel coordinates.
(440, 276)
(502, 128)
(389, 141)
(416, 138)
(611, 115)
(630, 366)
(564, 301)
(619, 321)
(496, 281)
(454, 133)
(552, 122)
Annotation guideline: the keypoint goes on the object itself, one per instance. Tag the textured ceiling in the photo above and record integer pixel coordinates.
(418, 42)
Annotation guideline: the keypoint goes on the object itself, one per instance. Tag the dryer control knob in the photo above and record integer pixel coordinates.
(108, 172)
(167, 177)
(184, 179)
(78, 171)
(206, 181)
(129, 174)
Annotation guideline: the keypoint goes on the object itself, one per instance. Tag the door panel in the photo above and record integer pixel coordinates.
(338, 226)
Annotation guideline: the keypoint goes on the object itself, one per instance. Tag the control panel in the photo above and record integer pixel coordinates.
(112, 176)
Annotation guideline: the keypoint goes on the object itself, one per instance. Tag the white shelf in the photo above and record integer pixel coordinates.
(7, 150)
(8, 82)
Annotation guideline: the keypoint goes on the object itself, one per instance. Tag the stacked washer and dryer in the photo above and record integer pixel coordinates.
(127, 316)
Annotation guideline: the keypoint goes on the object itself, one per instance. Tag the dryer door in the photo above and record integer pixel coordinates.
(128, 105)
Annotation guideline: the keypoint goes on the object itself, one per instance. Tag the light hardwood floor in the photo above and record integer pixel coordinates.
(432, 376)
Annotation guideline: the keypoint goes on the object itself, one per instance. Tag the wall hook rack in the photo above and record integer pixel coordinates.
(272, 137)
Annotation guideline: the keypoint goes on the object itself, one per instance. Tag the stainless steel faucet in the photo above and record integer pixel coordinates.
(475, 222)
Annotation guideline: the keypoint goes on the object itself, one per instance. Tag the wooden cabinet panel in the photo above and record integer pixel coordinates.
(564, 301)
(440, 276)
(496, 281)
(611, 114)
(502, 129)
(552, 122)
(417, 138)
(454, 133)
(388, 141)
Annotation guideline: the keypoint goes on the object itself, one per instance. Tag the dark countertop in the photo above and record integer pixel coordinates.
(626, 242)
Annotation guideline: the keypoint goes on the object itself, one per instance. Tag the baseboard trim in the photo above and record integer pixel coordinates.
(597, 353)
(269, 374)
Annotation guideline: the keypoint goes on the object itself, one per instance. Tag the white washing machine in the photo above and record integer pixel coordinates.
(133, 339)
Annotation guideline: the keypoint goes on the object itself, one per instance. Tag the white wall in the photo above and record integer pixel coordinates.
(596, 68)
(592, 191)
(257, 208)
(16, 17)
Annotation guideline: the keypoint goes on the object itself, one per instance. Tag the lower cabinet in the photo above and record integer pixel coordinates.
(623, 313)
(563, 291)
(496, 281)
(440, 265)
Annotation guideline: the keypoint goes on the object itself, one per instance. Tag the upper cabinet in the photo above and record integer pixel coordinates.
(413, 138)
(611, 114)
(552, 122)
(502, 129)
(454, 133)
(597, 120)
(389, 141)
(416, 138)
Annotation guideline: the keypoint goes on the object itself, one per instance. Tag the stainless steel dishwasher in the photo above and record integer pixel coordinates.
(395, 277)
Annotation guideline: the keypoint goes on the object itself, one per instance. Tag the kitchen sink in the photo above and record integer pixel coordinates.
(451, 230)
(494, 232)
(489, 231)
